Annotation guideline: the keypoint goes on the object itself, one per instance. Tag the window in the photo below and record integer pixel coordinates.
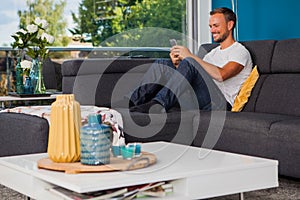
(143, 23)
(110, 26)
(198, 29)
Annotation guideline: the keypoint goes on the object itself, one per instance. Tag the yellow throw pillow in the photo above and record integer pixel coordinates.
(245, 91)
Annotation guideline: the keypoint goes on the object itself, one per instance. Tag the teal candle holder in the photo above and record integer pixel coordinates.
(137, 149)
(127, 152)
(116, 151)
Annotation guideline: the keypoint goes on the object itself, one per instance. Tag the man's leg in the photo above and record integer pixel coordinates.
(217, 99)
(153, 81)
(191, 74)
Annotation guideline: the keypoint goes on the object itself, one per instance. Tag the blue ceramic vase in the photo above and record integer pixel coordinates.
(95, 142)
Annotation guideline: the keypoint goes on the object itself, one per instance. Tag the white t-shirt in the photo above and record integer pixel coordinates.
(236, 53)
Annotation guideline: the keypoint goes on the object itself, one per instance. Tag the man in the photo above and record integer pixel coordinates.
(211, 83)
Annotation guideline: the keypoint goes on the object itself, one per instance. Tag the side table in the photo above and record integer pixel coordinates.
(10, 98)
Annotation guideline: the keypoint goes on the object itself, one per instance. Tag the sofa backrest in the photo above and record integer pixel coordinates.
(277, 90)
(256, 48)
(278, 62)
(262, 53)
(101, 81)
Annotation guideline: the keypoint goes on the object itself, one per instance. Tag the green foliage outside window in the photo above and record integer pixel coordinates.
(137, 23)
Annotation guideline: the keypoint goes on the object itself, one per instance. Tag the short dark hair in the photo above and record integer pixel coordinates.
(228, 13)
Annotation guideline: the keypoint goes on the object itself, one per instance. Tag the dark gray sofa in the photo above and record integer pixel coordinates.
(22, 134)
(268, 126)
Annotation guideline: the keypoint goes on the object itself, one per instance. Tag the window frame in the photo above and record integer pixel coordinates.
(197, 22)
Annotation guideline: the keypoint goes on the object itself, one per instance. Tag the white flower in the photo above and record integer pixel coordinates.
(49, 38)
(32, 28)
(37, 20)
(21, 31)
(34, 39)
(26, 64)
(41, 22)
(20, 41)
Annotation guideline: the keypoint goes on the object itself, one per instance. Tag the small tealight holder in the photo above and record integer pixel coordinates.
(127, 152)
(116, 151)
(137, 147)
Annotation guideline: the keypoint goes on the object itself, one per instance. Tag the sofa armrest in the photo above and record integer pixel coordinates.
(22, 134)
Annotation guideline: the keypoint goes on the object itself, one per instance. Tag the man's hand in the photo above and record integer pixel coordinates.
(175, 58)
(181, 52)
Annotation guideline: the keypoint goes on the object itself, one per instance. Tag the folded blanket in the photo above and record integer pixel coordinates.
(109, 116)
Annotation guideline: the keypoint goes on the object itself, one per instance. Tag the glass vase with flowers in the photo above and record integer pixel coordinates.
(34, 40)
(26, 66)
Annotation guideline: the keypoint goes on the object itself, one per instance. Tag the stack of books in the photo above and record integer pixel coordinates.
(159, 189)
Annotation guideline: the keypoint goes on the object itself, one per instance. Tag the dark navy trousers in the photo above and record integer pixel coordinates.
(188, 85)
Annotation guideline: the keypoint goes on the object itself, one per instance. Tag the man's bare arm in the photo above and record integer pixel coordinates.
(220, 74)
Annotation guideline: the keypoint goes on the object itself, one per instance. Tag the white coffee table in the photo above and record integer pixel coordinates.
(195, 173)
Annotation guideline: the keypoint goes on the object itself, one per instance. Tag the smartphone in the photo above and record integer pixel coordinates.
(173, 42)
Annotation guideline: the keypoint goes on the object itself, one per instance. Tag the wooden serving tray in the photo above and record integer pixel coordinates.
(116, 164)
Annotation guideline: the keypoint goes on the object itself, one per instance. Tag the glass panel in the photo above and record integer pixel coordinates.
(100, 28)
(143, 23)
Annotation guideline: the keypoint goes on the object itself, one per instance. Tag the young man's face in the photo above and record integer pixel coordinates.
(218, 27)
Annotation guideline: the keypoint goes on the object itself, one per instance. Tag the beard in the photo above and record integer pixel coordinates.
(222, 37)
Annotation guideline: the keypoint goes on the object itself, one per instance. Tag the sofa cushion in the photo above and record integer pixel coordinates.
(101, 81)
(176, 126)
(253, 122)
(285, 135)
(258, 48)
(71, 67)
(212, 124)
(279, 94)
(286, 56)
(115, 87)
(242, 98)
(103, 65)
(277, 90)
(205, 48)
(22, 134)
(287, 130)
(50, 75)
(257, 134)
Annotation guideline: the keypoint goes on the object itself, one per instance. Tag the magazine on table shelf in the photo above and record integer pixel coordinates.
(159, 189)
